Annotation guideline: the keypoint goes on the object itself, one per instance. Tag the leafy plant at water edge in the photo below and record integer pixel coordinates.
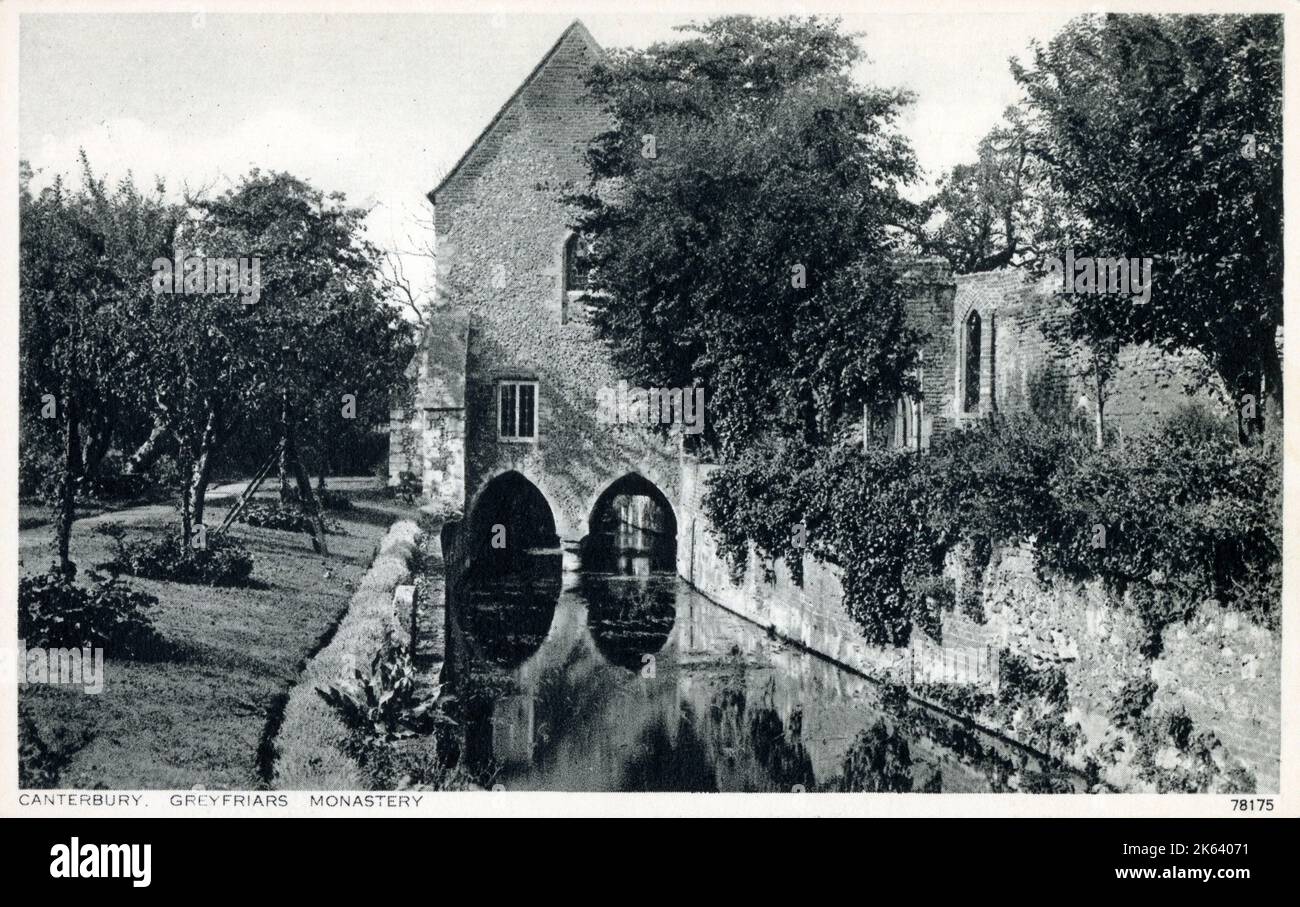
(383, 705)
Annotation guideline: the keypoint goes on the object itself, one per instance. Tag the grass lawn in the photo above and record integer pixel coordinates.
(199, 716)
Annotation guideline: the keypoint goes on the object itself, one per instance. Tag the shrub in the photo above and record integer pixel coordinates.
(41, 761)
(56, 612)
(278, 515)
(384, 705)
(165, 472)
(112, 486)
(40, 461)
(332, 500)
(1174, 757)
(224, 561)
(1187, 517)
(1169, 520)
(759, 499)
(409, 488)
(1196, 422)
(388, 767)
(1132, 703)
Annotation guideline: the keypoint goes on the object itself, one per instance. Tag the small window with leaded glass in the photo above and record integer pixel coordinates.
(517, 411)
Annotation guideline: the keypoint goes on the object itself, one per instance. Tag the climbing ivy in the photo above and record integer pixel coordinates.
(1165, 522)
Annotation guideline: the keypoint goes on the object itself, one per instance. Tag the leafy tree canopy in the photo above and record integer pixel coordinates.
(745, 210)
(1164, 133)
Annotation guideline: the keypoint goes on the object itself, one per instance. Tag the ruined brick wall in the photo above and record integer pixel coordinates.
(501, 225)
(1150, 385)
(1226, 671)
(1221, 668)
(931, 293)
(405, 423)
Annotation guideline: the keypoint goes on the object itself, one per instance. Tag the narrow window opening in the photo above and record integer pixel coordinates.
(971, 391)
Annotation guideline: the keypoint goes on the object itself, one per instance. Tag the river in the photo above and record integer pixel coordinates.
(618, 676)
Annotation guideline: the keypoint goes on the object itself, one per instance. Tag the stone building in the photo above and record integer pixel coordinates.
(986, 353)
(509, 374)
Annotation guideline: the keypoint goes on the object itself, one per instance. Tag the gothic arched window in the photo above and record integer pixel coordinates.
(577, 264)
(904, 428)
(971, 375)
(576, 274)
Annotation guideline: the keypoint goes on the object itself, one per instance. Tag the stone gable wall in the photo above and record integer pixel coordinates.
(1151, 384)
(501, 226)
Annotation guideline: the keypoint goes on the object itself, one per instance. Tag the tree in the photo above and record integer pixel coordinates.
(359, 354)
(1000, 211)
(85, 259)
(744, 212)
(321, 329)
(1165, 135)
(1088, 337)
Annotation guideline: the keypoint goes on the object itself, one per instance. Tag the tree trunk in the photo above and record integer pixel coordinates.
(75, 463)
(808, 411)
(96, 448)
(187, 501)
(147, 452)
(1099, 381)
(1270, 388)
(67, 488)
(286, 452)
(1101, 411)
(307, 497)
(203, 468)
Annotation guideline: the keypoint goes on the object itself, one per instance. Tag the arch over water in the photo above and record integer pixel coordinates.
(515, 571)
(618, 496)
(631, 529)
(512, 501)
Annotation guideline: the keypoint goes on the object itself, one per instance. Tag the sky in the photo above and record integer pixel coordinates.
(380, 106)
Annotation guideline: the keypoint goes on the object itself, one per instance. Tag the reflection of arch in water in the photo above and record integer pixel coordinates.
(508, 613)
(629, 620)
(632, 529)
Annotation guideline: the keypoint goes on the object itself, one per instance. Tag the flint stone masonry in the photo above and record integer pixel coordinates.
(501, 228)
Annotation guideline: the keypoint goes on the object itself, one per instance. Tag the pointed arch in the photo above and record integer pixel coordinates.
(511, 500)
(972, 361)
(633, 484)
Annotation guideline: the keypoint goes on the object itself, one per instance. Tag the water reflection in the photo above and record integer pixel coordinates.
(628, 551)
(624, 678)
(511, 606)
